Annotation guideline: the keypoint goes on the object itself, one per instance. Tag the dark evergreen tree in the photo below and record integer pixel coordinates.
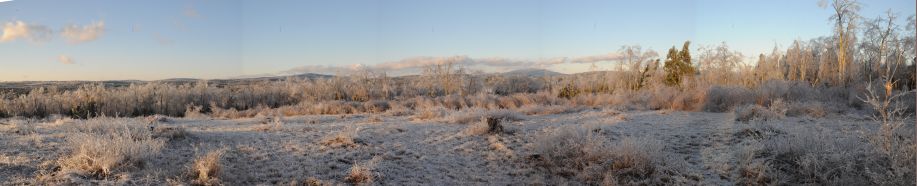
(677, 65)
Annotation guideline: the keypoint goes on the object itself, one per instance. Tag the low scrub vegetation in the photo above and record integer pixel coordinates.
(589, 158)
(487, 125)
(474, 115)
(207, 167)
(103, 147)
(415, 95)
(752, 112)
(809, 157)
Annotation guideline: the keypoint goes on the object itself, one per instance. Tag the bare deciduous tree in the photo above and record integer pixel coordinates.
(800, 59)
(638, 65)
(718, 63)
(845, 17)
(877, 35)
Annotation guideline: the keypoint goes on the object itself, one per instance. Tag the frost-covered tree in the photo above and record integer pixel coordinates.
(638, 64)
(846, 14)
(717, 64)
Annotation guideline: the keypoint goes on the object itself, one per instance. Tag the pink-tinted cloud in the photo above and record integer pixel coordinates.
(21, 30)
(80, 34)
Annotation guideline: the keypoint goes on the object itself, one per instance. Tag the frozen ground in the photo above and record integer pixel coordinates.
(705, 148)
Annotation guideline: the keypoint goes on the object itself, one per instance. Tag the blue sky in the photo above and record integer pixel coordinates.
(149, 40)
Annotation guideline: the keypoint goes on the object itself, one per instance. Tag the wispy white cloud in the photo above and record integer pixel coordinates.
(416, 64)
(21, 30)
(552, 61)
(63, 59)
(323, 69)
(421, 62)
(78, 34)
(1, 1)
(597, 58)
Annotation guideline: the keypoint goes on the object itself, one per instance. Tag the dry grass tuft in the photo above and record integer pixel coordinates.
(636, 161)
(195, 112)
(486, 126)
(547, 109)
(754, 171)
(170, 132)
(377, 106)
(312, 181)
(755, 112)
(429, 113)
(271, 122)
(21, 127)
(105, 146)
(779, 107)
(158, 119)
(374, 119)
(63, 121)
(473, 115)
(757, 129)
(399, 110)
(345, 138)
(568, 151)
(589, 158)
(360, 174)
(207, 167)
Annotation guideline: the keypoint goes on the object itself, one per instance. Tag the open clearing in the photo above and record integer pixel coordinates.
(698, 148)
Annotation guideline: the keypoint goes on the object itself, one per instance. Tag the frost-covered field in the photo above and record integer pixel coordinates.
(584, 146)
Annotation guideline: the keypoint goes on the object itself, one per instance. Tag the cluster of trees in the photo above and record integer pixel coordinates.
(861, 50)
